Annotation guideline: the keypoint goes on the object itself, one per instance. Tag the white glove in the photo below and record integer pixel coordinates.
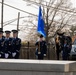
(6, 55)
(14, 54)
(0, 55)
(44, 54)
(39, 52)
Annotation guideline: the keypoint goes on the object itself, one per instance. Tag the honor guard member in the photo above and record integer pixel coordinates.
(16, 45)
(1, 44)
(41, 48)
(8, 45)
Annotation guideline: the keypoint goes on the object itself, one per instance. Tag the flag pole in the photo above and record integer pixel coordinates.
(39, 40)
(40, 28)
(39, 50)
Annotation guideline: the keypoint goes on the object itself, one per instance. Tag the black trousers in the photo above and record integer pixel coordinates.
(17, 55)
(40, 56)
(57, 54)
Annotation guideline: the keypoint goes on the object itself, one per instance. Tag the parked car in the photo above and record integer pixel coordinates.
(73, 50)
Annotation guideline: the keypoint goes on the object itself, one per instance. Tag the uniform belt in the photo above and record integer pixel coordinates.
(17, 51)
(9, 52)
(1, 52)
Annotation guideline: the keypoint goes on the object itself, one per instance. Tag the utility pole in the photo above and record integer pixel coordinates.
(18, 21)
(2, 14)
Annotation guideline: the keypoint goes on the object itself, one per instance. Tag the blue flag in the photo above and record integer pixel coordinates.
(41, 26)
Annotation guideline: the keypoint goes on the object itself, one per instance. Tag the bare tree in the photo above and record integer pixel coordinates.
(57, 15)
(52, 14)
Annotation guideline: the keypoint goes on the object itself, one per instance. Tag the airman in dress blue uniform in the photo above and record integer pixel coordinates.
(8, 45)
(1, 44)
(16, 45)
(41, 48)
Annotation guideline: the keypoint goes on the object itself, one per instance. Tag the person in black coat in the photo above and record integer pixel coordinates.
(41, 48)
(57, 42)
(67, 47)
(65, 52)
(16, 45)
